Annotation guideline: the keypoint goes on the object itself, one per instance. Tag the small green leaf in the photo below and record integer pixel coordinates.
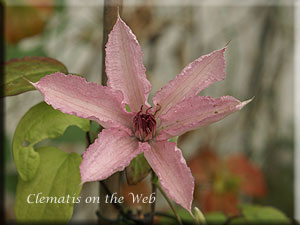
(137, 170)
(127, 107)
(39, 123)
(174, 139)
(260, 214)
(58, 180)
(30, 68)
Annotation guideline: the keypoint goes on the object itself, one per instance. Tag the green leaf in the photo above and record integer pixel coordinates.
(215, 218)
(137, 170)
(72, 135)
(185, 216)
(58, 177)
(30, 68)
(39, 123)
(238, 221)
(260, 214)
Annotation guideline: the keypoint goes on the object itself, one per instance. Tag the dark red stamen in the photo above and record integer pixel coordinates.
(157, 109)
(144, 125)
(148, 109)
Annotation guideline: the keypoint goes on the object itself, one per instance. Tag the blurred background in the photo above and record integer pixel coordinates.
(247, 157)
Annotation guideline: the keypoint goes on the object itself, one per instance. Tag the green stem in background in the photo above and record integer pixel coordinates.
(152, 214)
(169, 202)
(112, 8)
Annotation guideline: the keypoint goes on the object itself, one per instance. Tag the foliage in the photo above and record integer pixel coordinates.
(39, 123)
(19, 71)
(46, 170)
(58, 178)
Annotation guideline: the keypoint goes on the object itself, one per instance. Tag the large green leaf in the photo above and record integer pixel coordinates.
(137, 170)
(58, 177)
(259, 214)
(39, 123)
(30, 68)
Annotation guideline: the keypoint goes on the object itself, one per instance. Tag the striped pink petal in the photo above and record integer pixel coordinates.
(111, 152)
(175, 177)
(73, 95)
(196, 112)
(124, 66)
(195, 77)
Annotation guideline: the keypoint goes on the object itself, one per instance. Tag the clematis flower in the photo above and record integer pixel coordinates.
(177, 108)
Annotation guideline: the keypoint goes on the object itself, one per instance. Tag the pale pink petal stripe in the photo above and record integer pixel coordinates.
(73, 95)
(196, 112)
(195, 77)
(124, 66)
(175, 177)
(111, 152)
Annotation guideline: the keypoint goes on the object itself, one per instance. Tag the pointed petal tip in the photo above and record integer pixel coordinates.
(118, 11)
(240, 106)
(227, 44)
(119, 19)
(28, 80)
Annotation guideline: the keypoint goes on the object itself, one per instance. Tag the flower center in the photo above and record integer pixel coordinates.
(144, 125)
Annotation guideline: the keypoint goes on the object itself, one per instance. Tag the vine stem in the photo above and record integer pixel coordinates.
(153, 204)
(170, 204)
(112, 8)
(111, 11)
(118, 206)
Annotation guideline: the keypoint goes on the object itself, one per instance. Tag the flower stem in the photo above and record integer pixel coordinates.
(115, 204)
(111, 11)
(88, 138)
(170, 204)
(154, 177)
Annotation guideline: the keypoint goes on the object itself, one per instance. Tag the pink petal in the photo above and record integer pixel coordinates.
(73, 95)
(111, 152)
(175, 177)
(194, 78)
(196, 112)
(124, 66)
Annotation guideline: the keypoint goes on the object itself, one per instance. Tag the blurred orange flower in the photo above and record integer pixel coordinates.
(26, 19)
(220, 183)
